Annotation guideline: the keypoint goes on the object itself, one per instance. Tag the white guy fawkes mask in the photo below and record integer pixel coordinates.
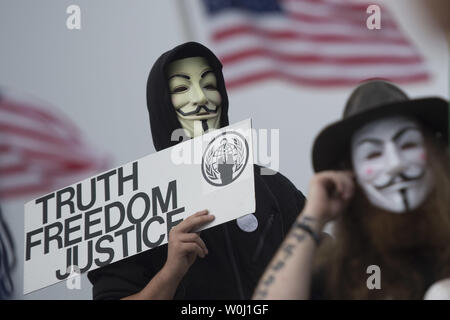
(193, 89)
(390, 163)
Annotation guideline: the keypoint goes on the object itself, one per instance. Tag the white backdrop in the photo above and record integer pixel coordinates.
(97, 77)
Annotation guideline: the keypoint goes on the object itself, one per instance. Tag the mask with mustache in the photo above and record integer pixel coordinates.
(390, 163)
(194, 94)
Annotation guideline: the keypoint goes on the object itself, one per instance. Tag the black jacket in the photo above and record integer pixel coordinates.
(236, 258)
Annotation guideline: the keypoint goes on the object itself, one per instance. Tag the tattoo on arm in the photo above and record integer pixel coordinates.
(278, 265)
(287, 249)
(260, 294)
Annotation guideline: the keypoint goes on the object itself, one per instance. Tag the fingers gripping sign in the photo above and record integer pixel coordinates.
(185, 245)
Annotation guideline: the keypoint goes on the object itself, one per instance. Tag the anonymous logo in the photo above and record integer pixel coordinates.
(225, 158)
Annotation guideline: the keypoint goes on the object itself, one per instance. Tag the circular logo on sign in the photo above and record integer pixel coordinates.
(225, 158)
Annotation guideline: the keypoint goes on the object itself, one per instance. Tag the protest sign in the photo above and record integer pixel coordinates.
(132, 208)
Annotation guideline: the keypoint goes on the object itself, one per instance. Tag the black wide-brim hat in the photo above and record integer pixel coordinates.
(369, 101)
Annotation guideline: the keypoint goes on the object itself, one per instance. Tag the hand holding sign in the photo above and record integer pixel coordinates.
(183, 248)
(185, 245)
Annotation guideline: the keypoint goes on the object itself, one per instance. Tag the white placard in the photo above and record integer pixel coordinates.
(130, 209)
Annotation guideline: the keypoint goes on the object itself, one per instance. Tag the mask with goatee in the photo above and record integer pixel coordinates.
(390, 162)
(194, 95)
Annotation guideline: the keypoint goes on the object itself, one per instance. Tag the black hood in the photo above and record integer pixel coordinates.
(163, 118)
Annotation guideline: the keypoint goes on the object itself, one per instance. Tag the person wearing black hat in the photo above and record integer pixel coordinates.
(186, 91)
(383, 176)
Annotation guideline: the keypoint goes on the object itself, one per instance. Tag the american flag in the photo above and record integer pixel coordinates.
(40, 150)
(321, 43)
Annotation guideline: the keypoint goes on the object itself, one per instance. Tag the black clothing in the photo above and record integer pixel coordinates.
(236, 258)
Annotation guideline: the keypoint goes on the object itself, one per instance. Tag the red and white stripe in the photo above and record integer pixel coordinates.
(316, 42)
(40, 150)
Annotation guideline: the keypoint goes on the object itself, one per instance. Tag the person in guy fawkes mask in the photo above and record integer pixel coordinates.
(186, 90)
(383, 174)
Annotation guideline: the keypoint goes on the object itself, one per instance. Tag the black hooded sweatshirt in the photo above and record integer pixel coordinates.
(236, 259)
